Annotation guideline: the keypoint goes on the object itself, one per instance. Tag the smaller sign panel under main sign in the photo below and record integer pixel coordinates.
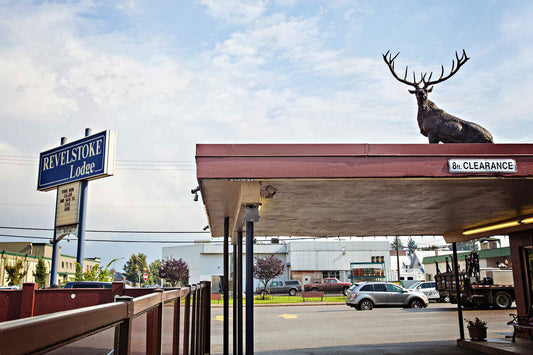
(68, 197)
(484, 166)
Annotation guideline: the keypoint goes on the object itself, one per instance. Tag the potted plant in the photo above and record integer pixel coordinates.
(477, 329)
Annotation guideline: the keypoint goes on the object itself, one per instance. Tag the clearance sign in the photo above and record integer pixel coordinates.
(89, 158)
(482, 166)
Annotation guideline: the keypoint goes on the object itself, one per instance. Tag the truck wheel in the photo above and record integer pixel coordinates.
(292, 292)
(366, 305)
(345, 291)
(502, 300)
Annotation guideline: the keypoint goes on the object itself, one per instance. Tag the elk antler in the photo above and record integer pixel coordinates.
(390, 64)
(460, 62)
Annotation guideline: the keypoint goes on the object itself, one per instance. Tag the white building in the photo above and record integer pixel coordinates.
(307, 261)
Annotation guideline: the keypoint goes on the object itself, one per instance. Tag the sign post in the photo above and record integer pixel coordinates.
(83, 210)
(68, 168)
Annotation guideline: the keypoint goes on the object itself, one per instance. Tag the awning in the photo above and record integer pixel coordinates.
(367, 189)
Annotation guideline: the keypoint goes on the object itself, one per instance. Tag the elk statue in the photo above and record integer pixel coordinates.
(435, 123)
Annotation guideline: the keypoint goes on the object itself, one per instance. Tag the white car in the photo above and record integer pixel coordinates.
(428, 289)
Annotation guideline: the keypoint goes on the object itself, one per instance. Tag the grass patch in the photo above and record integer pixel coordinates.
(279, 299)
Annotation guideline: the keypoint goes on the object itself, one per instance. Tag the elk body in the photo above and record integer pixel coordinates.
(435, 123)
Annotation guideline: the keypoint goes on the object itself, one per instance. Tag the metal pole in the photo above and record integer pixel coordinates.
(458, 292)
(225, 286)
(235, 335)
(84, 188)
(55, 243)
(398, 258)
(239, 293)
(249, 288)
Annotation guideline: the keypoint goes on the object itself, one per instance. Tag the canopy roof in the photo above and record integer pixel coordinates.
(363, 189)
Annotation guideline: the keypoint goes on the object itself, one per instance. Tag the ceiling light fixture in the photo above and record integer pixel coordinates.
(527, 220)
(493, 227)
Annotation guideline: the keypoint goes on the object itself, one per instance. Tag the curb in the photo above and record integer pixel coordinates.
(288, 304)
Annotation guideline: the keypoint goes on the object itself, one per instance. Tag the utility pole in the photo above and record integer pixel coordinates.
(398, 258)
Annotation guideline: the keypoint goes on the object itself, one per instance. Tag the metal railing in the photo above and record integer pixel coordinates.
(47, 332)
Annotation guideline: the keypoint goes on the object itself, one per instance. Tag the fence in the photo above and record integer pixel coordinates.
(43, 333)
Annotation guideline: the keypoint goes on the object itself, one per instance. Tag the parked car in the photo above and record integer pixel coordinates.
(291, 287)
(9, 288)
(367, 295)
(88, 284)
(328, 285)
(429, 289)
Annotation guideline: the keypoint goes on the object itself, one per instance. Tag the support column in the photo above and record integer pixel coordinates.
(249, 288)
(55, 242)
(398, 258)
(235, 293)
(225, 286)
(84, 188)
(239, 293)
(458, 293)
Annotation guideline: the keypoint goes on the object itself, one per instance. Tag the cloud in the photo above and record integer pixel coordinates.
(235, 11)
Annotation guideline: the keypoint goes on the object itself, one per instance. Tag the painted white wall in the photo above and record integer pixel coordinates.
(206, 259)
(335, 255)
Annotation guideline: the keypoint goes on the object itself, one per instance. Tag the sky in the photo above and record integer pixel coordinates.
(167, 75)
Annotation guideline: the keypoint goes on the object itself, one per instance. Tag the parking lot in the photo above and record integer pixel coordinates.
(341, 329)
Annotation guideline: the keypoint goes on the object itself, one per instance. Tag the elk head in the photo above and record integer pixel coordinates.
(421, 91)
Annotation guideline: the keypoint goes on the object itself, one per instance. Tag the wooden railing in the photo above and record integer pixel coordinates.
(43, 333)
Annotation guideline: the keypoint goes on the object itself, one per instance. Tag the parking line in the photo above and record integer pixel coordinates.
(288, 316)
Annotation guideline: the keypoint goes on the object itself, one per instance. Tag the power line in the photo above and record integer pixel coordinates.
(112, 231)
(116, 240)
(14, 159)
(104, 206)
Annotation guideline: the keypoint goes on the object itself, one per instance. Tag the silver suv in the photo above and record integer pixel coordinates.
(291, 287)
(366, 295)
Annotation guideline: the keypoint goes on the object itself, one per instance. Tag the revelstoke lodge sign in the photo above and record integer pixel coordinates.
(88, 158)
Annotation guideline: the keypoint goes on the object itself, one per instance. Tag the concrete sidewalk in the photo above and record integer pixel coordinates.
(437, 347)
(498, 346)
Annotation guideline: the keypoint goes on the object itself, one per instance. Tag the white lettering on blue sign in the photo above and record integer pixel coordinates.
(88, 158)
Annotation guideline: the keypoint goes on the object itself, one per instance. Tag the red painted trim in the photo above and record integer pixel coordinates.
(270, 161)
(338, 167)
(280, 150)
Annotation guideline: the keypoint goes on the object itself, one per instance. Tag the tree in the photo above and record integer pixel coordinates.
(174, 271)
(78, 274)
(95, 273)
(105, 274)
(411, 245)
(153, 272)
(267, 269)
(134, 266)
(15, 273)
(401, 246)
(40, 272)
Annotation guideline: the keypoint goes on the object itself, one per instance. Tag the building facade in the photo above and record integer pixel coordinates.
(306, 261)
(29, 253)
